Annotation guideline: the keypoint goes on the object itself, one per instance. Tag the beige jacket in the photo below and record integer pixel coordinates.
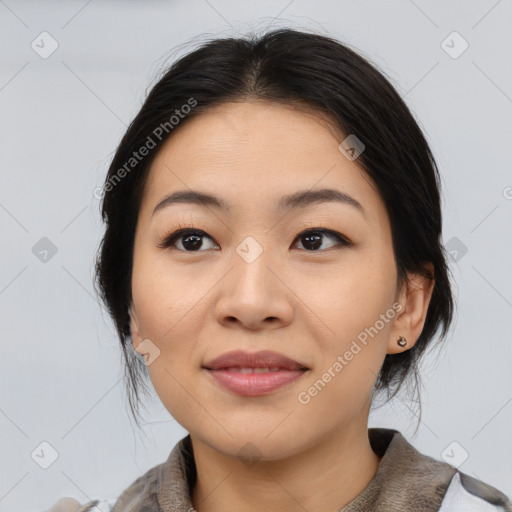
(406, 481)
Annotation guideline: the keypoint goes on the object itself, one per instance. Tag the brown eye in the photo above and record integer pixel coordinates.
(313, 238)
(191, 240)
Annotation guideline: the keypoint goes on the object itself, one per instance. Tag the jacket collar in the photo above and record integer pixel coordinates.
(405, 480)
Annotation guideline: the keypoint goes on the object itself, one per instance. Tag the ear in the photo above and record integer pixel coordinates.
(134, 327)
(414, 297)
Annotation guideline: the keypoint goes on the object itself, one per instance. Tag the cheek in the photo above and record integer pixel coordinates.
(168, 305)
(352, 296)
(353, 345)
(162, 295)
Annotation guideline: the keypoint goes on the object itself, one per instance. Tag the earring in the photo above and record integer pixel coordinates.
(402, 341)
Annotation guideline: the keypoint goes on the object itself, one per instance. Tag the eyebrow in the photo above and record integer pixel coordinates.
(301, 199)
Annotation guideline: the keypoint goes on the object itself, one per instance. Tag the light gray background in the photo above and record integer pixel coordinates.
(61, 119)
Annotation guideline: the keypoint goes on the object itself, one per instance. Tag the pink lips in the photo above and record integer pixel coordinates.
(238, 371)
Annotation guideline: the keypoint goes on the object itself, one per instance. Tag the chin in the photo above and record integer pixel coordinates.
(254, 444)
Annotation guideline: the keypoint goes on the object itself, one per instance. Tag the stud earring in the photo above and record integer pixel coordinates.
(402, 341)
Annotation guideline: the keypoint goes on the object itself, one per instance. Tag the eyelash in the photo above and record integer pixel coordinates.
(168, 241)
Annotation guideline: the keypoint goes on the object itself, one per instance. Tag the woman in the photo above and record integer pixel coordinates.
(273, 253)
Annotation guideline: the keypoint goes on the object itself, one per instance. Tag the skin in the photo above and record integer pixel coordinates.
(306, 303)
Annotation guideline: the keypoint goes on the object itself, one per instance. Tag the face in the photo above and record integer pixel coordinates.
(315, 282)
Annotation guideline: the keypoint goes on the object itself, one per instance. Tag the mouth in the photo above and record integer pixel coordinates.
(254, 381)
(239, 369)
(264, 359)
(252, 374)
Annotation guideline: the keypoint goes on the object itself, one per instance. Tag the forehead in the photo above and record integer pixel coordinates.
(252, 153)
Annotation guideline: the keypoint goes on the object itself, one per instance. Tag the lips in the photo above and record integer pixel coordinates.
(241, 360)
(260, 373)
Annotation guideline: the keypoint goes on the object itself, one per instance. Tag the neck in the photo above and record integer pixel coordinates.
(323, 478)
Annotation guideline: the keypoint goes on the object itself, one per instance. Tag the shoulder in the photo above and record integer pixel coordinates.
(140, 492)
(419, 481)
(466, 493)
(72, 505)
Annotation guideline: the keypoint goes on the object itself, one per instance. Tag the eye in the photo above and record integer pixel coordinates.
(191, 239)
(313, 238)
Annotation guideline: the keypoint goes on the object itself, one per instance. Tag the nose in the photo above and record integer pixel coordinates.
(255, 294)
